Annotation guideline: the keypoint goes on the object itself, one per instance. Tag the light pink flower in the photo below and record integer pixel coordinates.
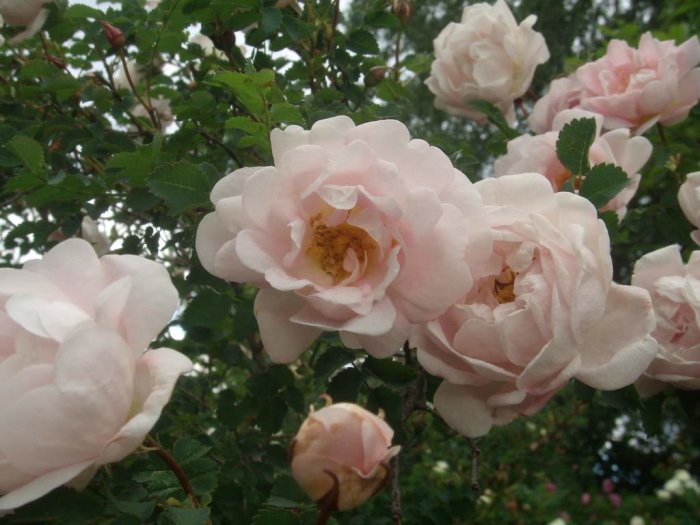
(546, 311)
(564, 93)
(77, 390)
(355, 228)
(585, 499)
(615, 500)
(24, 13)
(608, 486)
(632, 88)
(538, 154)
(343, 444)
(689, 200)
(675, 293)
(486, 56)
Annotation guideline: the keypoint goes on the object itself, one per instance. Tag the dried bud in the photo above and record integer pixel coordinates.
(375, 75)
(403, 9)
(115, 37)
(340, 455)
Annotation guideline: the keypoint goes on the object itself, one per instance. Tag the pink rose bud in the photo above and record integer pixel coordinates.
(115, 37)
(551, 487)
(340, 455)
(608, 485)
(615, 499)
(585, 499)
(403, 9)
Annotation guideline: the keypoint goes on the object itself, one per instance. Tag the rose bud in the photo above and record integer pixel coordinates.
(115, 37)
(340, 455)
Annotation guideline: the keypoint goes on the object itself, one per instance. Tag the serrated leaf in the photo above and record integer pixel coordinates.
(82, 11)
(331, 360)
(182, 185)
(132, 166)
(246, 124)
(382, 19)
(188, 449)
(495, 117)
(29, 151)
(345, 385)
(287, 114)
(602, 183)
(271, 21)
(573, 143)
(362, 42)
(246, 88)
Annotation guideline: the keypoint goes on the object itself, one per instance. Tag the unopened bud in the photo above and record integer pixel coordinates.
(375, 75)
(340, 455)
(403, 9)
(115, 37)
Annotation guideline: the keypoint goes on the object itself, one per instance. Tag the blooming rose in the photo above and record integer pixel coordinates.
(76, 389)
(343, 445)
(675, 293)
(632, 88)
(546, 311)
(25, 13)
(538, 154)
(487, 56)
(355, 229)
(689, 200)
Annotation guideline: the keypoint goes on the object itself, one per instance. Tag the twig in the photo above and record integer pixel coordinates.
(149, 109)
(223, 146)
(475, 466)
(175, 467)
(395, 491)
(662, 134)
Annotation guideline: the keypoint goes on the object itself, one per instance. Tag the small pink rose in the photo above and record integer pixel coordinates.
(550, 487)
(689, 201)
(615, 500)
(608, 485)
(585, 499)
(343, 447)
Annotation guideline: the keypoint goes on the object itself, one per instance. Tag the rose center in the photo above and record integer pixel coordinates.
(330, 244)
(503, 286)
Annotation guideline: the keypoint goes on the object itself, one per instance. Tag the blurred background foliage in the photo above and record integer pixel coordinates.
(71, 145)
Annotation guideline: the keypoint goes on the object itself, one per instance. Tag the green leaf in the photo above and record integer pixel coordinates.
(382, 19)
(330, 361)
(495, 117)
(29, 151)
(652, 415)
(271, 21)
(345, 385)
(250, 126)
(276, 517)
(208, 309)
(132, 166)
(188, 449)
(574, 141)
(287, 113)
(362, 42)
(175, 516)
(182, 185)
(389, 370)
(602, 183)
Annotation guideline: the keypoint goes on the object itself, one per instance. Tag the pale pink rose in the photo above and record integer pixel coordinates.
(585, 499)
(486, 56)
(636, 88)
(689, 200)
(564, 93)
(615, 500)
(546, 312)
(538, 154)
(342, 444)
(355, 228)
(24, 13)
(77, 390)
(675, 293)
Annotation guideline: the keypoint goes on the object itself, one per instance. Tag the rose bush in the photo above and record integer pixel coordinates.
(689, 201)
(76, 387)
(487, 56)
(675, 294)
(545, 311)
(538, 154)
(632, 88)
(343, 445)
(356, 228)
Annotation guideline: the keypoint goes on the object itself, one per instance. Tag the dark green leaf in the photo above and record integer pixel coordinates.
(29, 151)
(182, 185)
(275, 517)
(389, 370)
(362, 42)
(574, 141)
(602, 183)
(345, 385)
(495, 117)
(382, 19)
(331, 360)
(176, 516)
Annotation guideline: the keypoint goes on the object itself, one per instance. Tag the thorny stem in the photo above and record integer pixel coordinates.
(173, 465)
(149, 109)
(395, 491)
(475, 466)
